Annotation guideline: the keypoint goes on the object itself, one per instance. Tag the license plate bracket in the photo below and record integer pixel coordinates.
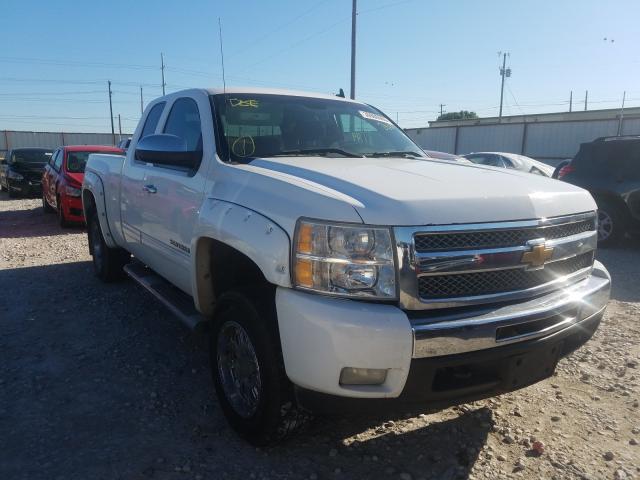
(531, 367)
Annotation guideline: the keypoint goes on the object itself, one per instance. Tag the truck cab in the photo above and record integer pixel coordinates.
(335, 265)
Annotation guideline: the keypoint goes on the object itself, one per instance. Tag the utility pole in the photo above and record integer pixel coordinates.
(504, 72)
(113, 133)
(141, 102)
(442, 105)
(571, 101)
(119, 128)
(586, 98)
(162, 70)
(624, 96)
(353, 50)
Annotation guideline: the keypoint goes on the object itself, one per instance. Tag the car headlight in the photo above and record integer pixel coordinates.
(72, 191)
(345, 260)
(14, 175)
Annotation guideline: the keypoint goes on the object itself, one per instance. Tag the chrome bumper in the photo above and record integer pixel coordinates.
(447, 334)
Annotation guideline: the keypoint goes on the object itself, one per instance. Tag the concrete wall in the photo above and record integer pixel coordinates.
(550, 142)
(14, 139)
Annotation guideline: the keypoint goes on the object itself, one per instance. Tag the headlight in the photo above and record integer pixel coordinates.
(72, 191)
(14, 175)
(346, 260)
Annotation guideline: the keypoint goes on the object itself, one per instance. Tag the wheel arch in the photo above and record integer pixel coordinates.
(93, 204)
(235, 246)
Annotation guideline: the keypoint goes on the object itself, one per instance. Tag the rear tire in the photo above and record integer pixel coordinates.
(46, 208)
(611, 224)
(248, 371)
(108, 262)
(62, 220)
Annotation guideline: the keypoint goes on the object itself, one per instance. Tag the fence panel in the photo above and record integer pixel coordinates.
(563, 139)
(442, 139)
(497, 138)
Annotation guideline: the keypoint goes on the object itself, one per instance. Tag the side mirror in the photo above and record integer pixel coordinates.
(165, 149)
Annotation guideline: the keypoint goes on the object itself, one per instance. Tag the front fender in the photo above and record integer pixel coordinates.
(250, 233)
(93, 183)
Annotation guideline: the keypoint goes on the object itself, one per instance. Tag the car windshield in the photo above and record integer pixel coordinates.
(76, 161)
(31, 156)
(265, 125)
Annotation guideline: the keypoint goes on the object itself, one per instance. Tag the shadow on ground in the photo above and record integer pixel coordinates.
(32, 222)
(623, 263)
(99, 381)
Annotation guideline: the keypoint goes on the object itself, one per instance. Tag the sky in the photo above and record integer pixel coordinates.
(412, 55)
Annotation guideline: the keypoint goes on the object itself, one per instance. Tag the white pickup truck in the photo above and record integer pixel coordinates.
(336, 265)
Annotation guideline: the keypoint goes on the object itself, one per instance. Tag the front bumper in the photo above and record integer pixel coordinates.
(26, 187)
(72, 207)
(320, 336)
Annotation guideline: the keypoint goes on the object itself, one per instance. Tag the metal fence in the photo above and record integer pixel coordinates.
(549, 141)
(16, 139)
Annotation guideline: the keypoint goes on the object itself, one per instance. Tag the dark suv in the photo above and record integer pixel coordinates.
(21, 170)
(609, 167)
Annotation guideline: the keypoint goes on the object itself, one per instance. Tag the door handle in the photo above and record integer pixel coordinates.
(150, 189)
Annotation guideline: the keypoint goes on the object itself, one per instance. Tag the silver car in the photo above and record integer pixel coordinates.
(511, 160)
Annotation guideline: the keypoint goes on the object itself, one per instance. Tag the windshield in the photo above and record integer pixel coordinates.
(31, 156)
(263, 125)
(76, 161)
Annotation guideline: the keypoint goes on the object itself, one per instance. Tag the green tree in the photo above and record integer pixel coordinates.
(461, 115)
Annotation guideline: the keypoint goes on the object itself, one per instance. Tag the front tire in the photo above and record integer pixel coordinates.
(248, 371)
(108, 262)
(611, 224)
(11, 193)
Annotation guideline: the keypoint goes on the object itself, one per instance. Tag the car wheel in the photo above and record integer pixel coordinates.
(62, 220)
(248, 371)
(108, 262)
(46, 208)
(611, 227)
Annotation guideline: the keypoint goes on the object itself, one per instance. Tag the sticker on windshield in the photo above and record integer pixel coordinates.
(374, 116)
(241, 102)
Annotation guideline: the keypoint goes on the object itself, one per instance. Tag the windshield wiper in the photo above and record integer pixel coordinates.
(405, 154)
(314, 151)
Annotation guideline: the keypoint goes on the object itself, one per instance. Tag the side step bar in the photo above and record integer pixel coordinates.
(178, 302)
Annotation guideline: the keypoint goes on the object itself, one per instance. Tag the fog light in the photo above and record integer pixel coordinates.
(362, 376)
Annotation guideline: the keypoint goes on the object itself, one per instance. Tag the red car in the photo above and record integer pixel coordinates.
(62, 181)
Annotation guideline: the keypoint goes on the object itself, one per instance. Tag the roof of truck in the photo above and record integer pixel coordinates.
(273, 91)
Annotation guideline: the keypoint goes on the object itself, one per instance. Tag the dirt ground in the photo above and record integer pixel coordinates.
(100, 382)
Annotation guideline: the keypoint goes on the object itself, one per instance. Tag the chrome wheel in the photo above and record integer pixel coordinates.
(605, 225)
(238, 369)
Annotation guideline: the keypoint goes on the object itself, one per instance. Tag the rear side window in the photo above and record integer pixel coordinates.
(487, 159)
(609, 157)
(184, 122)
(153, 117)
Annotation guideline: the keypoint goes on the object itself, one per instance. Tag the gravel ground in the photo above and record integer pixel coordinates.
(99, 381)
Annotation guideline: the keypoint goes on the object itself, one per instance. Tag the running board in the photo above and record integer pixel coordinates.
(178, 302)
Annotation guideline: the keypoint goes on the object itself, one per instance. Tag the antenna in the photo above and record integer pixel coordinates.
(224, 83)
(224, 92)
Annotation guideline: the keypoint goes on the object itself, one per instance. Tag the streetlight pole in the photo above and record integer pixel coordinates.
(353, 50)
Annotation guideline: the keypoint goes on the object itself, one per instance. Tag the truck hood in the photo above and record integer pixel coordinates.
(400, 191)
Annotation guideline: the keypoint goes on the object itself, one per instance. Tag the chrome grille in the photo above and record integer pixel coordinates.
(498, 281)
(457, 265)
(436, 241)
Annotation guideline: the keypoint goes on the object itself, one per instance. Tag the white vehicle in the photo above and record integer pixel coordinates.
(511, 160)
(337, 266)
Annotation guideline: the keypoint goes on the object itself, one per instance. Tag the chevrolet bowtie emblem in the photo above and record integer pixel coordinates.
(537, 256)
